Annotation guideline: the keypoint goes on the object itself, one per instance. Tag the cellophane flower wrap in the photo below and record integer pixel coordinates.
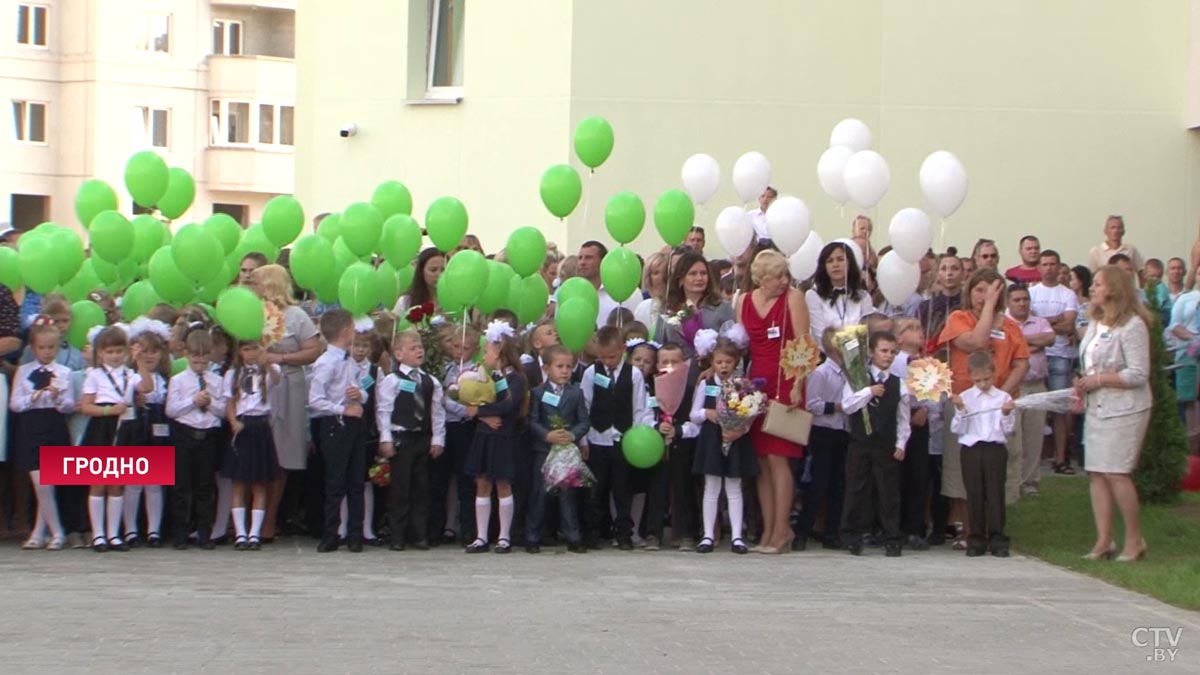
(474, 386)
(737, 406)
(564, 468)
(851, 343)
(380, 472)
(669, 387)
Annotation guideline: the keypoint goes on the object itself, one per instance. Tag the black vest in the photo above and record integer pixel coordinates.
(403, 408)
(882, 412)
(612, 406)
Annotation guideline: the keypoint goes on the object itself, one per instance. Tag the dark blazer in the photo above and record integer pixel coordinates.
(571, 408)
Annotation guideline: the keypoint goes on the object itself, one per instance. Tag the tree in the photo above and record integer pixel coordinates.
(1163, 460)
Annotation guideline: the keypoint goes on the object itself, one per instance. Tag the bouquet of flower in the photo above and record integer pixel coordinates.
(851, 343)
(687, 320)
(669, 387)
(801, 357)
(273, 324)
(473, 387)
(737, 406)
(564, 468)
(423, 319)
(928, 379)
(380, 472)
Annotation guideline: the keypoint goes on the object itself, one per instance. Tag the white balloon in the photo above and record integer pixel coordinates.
(858, 252)
(734, 230)
(830, 169)
(751, 176)
(910, 234)
(867, 178)
(943, 183)
(897, 278)
(852, 133)
(701, 177)
(788, 223)
(803, 263)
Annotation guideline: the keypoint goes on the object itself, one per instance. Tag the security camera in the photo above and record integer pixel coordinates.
(348, 130)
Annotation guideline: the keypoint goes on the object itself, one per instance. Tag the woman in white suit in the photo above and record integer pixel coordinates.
(1115, 374)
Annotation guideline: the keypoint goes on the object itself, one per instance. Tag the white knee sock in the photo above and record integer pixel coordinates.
(224, 502)
(368, 510)
(48, 507)
(506, 515)
(133, 498)
(239, 520)
(343, 512)
(256, 521)
(116, 506)
(154, 509)
(712, 495)
(733, 495)
(483, 516)
(96, 515)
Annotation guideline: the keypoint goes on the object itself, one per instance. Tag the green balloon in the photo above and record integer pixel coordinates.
(105, 271)
(343, 257)
(36, 263)
(84, 282)
(94, 197)
(561, 189)
(85, 315)
(256, 241)
(222, 226)
(526, 250)
(196, 252)
(331, 227)
(642, 446)
(593, 141)
(358, 291)
(528, 297)
(446, 222)
(674, 215)
(240, 312)
(404, 277)
(147, 236)
(362, 225)
(401, 240)
(169, 282)
(210, 290)
(10, 270)
(138, 299)
(146, 178)
(312, 261)
(68, 250)
(465, 278)
(620, 272)
(575, 321)
(388, 284)
(578, 287)
(328, 292)
(179, 365)
(392, 198)
(111, 236)
(181, 190)
(495, 291)
(282, 220)
(624, 217)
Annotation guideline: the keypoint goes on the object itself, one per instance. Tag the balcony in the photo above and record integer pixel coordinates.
(250, 168)
(253, 78)
(257, 4)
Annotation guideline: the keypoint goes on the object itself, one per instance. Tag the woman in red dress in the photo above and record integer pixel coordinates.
(772, 314)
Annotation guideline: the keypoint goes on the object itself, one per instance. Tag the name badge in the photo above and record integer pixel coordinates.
(774, 333)
(551, 400)
(366, 382)
(997, 335)
(603, 381)
(408, 386)
(501, 385)
(1105, 335)
(712, 390)
(651, 402)
(161, 430)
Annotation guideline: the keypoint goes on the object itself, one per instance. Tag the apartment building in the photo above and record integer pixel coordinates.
(210, 85)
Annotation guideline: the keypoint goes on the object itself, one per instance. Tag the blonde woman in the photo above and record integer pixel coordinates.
(300, 346)
(654, 282)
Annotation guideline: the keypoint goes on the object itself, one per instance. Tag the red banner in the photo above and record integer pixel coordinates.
(108, 465)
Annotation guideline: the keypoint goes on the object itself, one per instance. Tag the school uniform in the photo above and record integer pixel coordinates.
(369, 376)
(711, 459)
(681, 455)
(827, 446)
(531, 367)
(42, 421)
(460, 431)
(198, 439)
(148, 427)
(110, 386)
(981, 429)
(493, 451)
(914, 470)
(251, 457)
(411, 417)
(339, 440)
(548, 401)
(870, 459)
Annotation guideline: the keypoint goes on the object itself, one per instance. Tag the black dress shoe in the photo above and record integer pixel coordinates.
(799, 544)
(373, 542)
(592, 544)
(155, 541)
(893, 551)
(100, 545)
(832, 543)
(206, 544)
(916, 543)
(975, 551)
(854, 549)
(625, 545)
(355, 546)
(577, 548)
(503, 545)
(533, 548)
(180, 545)
(705, 546)
(398, 546)
(1000, 552)
(936, 540)
(221, 540)
(119, 546)
(449, 537)
(739, 547)
(477, 546)
(421, 545)
(327, 546)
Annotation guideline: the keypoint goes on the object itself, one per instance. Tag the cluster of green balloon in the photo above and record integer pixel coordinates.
(46, 257)
(578, 305)
(642, 446)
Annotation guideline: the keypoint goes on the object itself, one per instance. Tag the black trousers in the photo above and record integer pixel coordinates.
(194, 497)
(939, 505)
(914, 487)
(657, 502)
(440, 471)
(683, 489)
(458, 446)
(827, 448)
(408, 493)
(522, 484)
(871, 464)
(984, 470)
(341, 443)
(612, 477)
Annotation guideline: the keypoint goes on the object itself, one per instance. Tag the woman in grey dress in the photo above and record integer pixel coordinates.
(693, 302)
(1115, 374)
(300, 346)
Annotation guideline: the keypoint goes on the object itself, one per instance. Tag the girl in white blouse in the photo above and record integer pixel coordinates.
(148, 345)
(253, 463)
(838, 297)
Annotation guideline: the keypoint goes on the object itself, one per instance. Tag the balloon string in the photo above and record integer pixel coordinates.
(587, 197)
(943, 235)
(463, 351)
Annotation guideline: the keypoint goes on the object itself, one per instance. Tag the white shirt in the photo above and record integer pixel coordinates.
(824, 390)
(22, 392)
(758, 219)
(182, 407)
(843, 312)
(641, 413)
(1183, 313)
(386, 392)
(332, 374)
(455, 411)
(989, 426)
(1049, 302)
(854, 401)
(111, 385)
(255, 402)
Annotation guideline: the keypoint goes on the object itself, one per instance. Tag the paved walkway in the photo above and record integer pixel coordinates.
(288, 609)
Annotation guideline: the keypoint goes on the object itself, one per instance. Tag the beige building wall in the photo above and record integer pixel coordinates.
(1063, 112)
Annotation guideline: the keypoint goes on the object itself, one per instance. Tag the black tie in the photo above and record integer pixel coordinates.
(200, 382)
(837, 292)
(418, 396)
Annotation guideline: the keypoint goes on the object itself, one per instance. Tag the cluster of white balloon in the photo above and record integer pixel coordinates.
(849, 171)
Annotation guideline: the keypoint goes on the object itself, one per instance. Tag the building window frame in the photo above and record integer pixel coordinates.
(280, 137)
(230, 45)
(150, 118)
(148, 41)
(23, 130)
(35, 16)
(445, 26)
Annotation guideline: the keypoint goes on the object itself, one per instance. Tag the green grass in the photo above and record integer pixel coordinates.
(1057, 527)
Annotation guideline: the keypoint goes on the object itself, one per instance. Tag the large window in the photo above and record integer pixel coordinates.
(31, 24)
(29, 121)
(227, 37)
(232, 123)
(28, 211)
(238, 212)
(275, 124)
(154, 34)
(151, 127)
(445, 65)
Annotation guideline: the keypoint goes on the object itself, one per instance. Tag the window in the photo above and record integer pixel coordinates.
(31, 25)
(29, 211)
(287, 118)
(231, 122)
(151, 127)
(29, 121)
(156, 34)
(275, 124)
(445, 48)
(266, 123)
(227, 37)
(238, 212)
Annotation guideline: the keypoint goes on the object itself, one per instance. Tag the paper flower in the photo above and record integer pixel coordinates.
(705, 341)
(633, 343)
(801, 357)
(736, 333)
(146, 325)
(498, 330)
(928, 379)
(363, 324)
(273, 324)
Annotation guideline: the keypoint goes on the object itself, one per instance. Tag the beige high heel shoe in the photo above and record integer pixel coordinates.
(1140, 554)
(1103, 555)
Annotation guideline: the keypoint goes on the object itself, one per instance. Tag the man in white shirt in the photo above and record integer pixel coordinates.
(758, 217)
(1057, 304)
(1114, 233)
(588, 266)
